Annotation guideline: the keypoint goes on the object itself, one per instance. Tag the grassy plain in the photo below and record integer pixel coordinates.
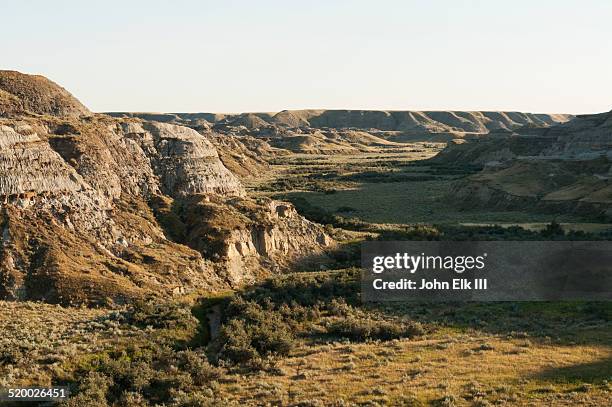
(394, 188)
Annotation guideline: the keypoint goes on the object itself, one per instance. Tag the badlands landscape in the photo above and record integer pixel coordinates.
(206, 259)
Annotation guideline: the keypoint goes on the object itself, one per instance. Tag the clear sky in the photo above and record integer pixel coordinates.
(234, 56)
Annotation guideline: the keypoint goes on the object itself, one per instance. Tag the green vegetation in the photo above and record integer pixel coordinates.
(149, 375)
(408, 202)
(298, 331)
(276, 316)
(306, 338)
(382, 189)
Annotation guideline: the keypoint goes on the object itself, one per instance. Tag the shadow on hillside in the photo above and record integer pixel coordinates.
(565, 323)
(593, 372)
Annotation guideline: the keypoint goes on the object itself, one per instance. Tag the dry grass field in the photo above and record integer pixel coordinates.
(453, 369)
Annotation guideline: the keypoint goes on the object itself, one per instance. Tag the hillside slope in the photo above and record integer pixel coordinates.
(21, 93)
(353, 131)
(563, 168)
(95, 209)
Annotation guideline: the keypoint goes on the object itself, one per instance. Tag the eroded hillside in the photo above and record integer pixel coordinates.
(429, 121)
(354, 131)
(563, 168)
(91, 206)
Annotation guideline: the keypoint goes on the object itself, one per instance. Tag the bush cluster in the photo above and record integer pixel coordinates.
(368, 328)
(320, 215)
(252, 332)
(164, 315)
(138, 376)
(270, 319)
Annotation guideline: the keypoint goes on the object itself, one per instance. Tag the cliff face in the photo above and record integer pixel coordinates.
(586, 136)
(184, 161)
(245, 157)
(284, 234)
(81, 217)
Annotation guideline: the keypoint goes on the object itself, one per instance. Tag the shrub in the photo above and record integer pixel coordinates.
(338, 307)
(160, 315)
(197, 365)
(252, 332)
(91, 391)
(197, 399)
(144, 374)
(361, 329)
(267, 320)
(553, 229)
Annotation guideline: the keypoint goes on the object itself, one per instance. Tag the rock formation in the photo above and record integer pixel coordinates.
(422, 121)
(90, 206)
(350, 131)
(564, 168)
(245, 157)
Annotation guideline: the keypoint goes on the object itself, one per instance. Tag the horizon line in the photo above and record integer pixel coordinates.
(344, 109)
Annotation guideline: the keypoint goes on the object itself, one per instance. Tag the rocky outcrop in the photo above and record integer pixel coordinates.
(247, 236)
(77, 226)
(33, 175)
(280, 237)
(185, 162)
(586, 136)
(245, 157)
(80, 210)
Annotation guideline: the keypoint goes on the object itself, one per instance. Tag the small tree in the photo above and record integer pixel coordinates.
(553, 229)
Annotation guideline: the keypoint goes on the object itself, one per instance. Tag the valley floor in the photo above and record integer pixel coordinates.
(389, 188)
(452, 369)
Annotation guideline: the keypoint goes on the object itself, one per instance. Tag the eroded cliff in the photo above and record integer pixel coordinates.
(81, 215)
